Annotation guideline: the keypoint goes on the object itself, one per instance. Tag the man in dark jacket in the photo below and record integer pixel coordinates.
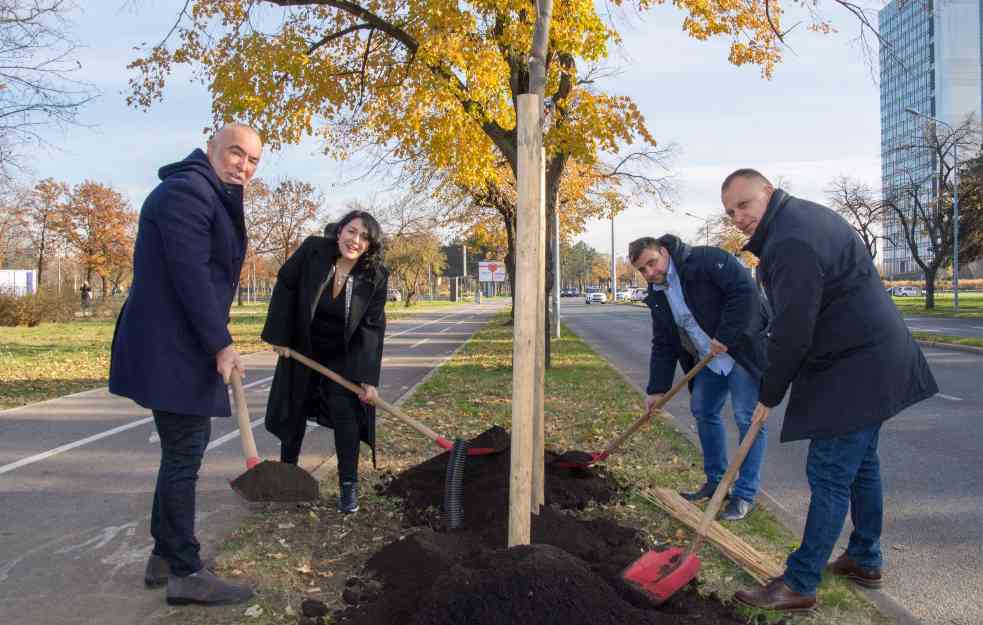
(172, 351)
(704, 301)
(839, 341)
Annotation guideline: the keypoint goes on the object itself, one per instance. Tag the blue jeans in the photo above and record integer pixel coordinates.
(843, 472)
(709, 395)
(183, 439)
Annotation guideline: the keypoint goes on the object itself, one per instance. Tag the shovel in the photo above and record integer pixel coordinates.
(266, 480)
(582, 459)
(659, 574)
(442, 442)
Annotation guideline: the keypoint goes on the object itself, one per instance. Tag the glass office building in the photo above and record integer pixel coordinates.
(932, 63)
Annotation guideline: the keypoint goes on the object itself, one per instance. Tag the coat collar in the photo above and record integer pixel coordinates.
(679, 251)
(779, 199)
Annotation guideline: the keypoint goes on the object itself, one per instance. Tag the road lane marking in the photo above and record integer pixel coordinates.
(23, 462)
(155, 436)
(418, 343)
(949, 397)
(391, 336)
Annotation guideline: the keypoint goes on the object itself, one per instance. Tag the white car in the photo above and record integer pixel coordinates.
(623, 296)
(638, 295)
(906, 291)
(597, 297)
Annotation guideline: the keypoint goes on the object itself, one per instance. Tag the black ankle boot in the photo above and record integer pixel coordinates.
(348, 501)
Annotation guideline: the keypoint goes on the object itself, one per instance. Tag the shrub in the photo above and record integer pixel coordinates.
(30, 310)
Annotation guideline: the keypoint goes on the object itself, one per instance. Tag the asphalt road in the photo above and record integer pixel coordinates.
(930, 460)
(77, 475)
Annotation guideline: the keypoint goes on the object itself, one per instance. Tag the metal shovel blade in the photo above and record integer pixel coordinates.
(660, 574)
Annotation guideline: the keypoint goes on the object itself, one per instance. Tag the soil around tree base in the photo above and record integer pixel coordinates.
(570, 575)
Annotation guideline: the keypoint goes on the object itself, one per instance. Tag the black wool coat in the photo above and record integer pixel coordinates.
(724, 300)
(190, 244)
(836, 337)
(299, 285)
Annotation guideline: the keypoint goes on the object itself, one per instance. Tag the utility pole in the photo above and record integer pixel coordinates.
(614, 276)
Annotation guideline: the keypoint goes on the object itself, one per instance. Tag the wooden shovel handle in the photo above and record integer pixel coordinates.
(718, 495)
(393, 410)
(616, 443)
(245, 424)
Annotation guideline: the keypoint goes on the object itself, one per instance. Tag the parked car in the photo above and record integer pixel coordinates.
(596, 297)
(394, 295)
(638, 295)
(906, 291)
(623, 296)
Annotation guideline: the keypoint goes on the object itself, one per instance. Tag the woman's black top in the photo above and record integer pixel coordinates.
(328, 330)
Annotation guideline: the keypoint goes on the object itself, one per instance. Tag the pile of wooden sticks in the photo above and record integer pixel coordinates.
(757, 565)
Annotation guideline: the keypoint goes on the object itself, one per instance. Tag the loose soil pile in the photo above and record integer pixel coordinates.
(570, 575)
(276, 481)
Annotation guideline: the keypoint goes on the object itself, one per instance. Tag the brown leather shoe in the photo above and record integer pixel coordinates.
(845, 567)
(776, 596)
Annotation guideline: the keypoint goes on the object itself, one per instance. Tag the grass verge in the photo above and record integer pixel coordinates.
(464, 397)
(55, 359)
(970, 305)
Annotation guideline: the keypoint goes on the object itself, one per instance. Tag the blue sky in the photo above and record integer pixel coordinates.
(816, 119)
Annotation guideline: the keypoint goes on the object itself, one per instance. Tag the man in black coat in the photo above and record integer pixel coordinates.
(839, 341)
(704, 301)
(172, 351)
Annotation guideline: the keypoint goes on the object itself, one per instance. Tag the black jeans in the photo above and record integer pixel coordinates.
(183, 439)
(341, 409)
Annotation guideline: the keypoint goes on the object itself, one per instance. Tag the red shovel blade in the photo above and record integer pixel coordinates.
(660, 574)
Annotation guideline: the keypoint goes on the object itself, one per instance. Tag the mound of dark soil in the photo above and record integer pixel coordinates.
(570, 575)
(276, 481)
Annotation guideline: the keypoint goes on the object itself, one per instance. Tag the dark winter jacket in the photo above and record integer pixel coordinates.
(724, 300)
(189, 249)
(837, 338)
(299, 285)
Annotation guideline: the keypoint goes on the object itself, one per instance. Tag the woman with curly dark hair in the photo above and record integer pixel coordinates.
(329, 303)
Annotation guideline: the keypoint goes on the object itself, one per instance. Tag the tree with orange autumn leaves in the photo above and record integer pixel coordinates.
(98, 224)
(436, 81)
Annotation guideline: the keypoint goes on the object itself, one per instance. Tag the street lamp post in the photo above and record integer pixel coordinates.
(955, 204)
(706, 224)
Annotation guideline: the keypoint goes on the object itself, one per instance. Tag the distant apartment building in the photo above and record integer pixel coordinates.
(931, 62)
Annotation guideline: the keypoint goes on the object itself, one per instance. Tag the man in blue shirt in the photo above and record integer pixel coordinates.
(704, 301)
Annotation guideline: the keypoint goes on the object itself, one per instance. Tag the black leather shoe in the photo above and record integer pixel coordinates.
(776, 596)
(736, 509)
(845, 567)
(205, 588)
(159, 570)
(703, 492)
(348, 500)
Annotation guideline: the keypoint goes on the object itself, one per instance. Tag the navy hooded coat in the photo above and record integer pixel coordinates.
(836, 338)
(189, 250)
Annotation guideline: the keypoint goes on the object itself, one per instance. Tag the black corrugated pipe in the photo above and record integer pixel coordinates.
(454, 485)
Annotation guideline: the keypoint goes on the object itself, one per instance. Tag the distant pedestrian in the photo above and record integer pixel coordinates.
(839, 341)
(85, 295)
(172, 351)
(329, 303)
